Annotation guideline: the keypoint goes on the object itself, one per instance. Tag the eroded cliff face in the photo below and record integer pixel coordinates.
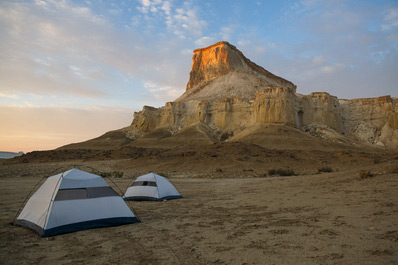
(227, 93)
(372, 120)
(222, 71)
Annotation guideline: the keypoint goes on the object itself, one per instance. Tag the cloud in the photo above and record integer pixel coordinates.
(39, 46)
(226, 32)
(145, 6)
(89, 56)
(334, 46)
(166, 7)
(390, 19)
(186, 18)
(245, 42)
(182, 20)
(163, 93)
(204, 41)
(7, 95)
(319, 59)
(43, 55)
(328, 69)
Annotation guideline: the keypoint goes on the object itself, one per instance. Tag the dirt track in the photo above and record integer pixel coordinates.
(328, 218)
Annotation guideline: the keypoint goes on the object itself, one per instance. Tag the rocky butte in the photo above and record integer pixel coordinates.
(230, 98)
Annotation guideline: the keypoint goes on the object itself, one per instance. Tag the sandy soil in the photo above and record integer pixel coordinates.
(327, 218)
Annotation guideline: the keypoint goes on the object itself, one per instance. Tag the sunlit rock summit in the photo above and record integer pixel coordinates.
(229, 98)
(222, 71)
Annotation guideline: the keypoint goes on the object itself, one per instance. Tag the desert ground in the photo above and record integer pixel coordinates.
(232, 212)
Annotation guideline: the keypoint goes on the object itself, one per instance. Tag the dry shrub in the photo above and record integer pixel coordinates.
(325, 169)
(363, 174)
(282, 172)
(391, 169)
(163, 174)
(114, 174)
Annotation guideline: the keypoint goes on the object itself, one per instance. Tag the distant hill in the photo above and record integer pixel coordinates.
(8, 155)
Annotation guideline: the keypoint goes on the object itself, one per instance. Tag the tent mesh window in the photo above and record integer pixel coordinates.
(84, 193)
(144, 183)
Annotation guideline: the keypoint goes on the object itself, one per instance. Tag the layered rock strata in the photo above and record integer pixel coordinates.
(228, 93)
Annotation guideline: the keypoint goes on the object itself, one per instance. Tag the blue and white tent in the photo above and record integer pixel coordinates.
(71, 201)
(151, 187)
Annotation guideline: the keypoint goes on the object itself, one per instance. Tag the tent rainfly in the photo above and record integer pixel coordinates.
(71, 201)
(151, 187)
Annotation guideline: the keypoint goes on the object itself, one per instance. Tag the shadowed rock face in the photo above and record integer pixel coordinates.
(229, 95)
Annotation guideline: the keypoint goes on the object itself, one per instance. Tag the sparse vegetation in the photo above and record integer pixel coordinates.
(325, 169)
(212, 154)
(393, 170)
(363, 174)
(162, 174)
(114, 174)
(281, 172)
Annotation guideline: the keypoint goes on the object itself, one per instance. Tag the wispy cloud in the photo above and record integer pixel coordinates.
(182, 20)
(163, 92)
(69, 49)
(226, 32)
(7, 95)
(38, 47)
(390, 19)
(205, 41)
(334, 46)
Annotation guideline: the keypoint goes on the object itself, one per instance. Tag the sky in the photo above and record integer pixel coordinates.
(72, 70)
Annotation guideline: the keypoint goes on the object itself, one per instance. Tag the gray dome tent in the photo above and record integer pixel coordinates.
(71, 201)
(151, 187)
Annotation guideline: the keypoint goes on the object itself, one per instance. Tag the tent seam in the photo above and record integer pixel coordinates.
(157, 187)
(52, 201)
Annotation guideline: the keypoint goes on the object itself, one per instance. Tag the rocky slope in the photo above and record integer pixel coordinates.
(228, 97)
